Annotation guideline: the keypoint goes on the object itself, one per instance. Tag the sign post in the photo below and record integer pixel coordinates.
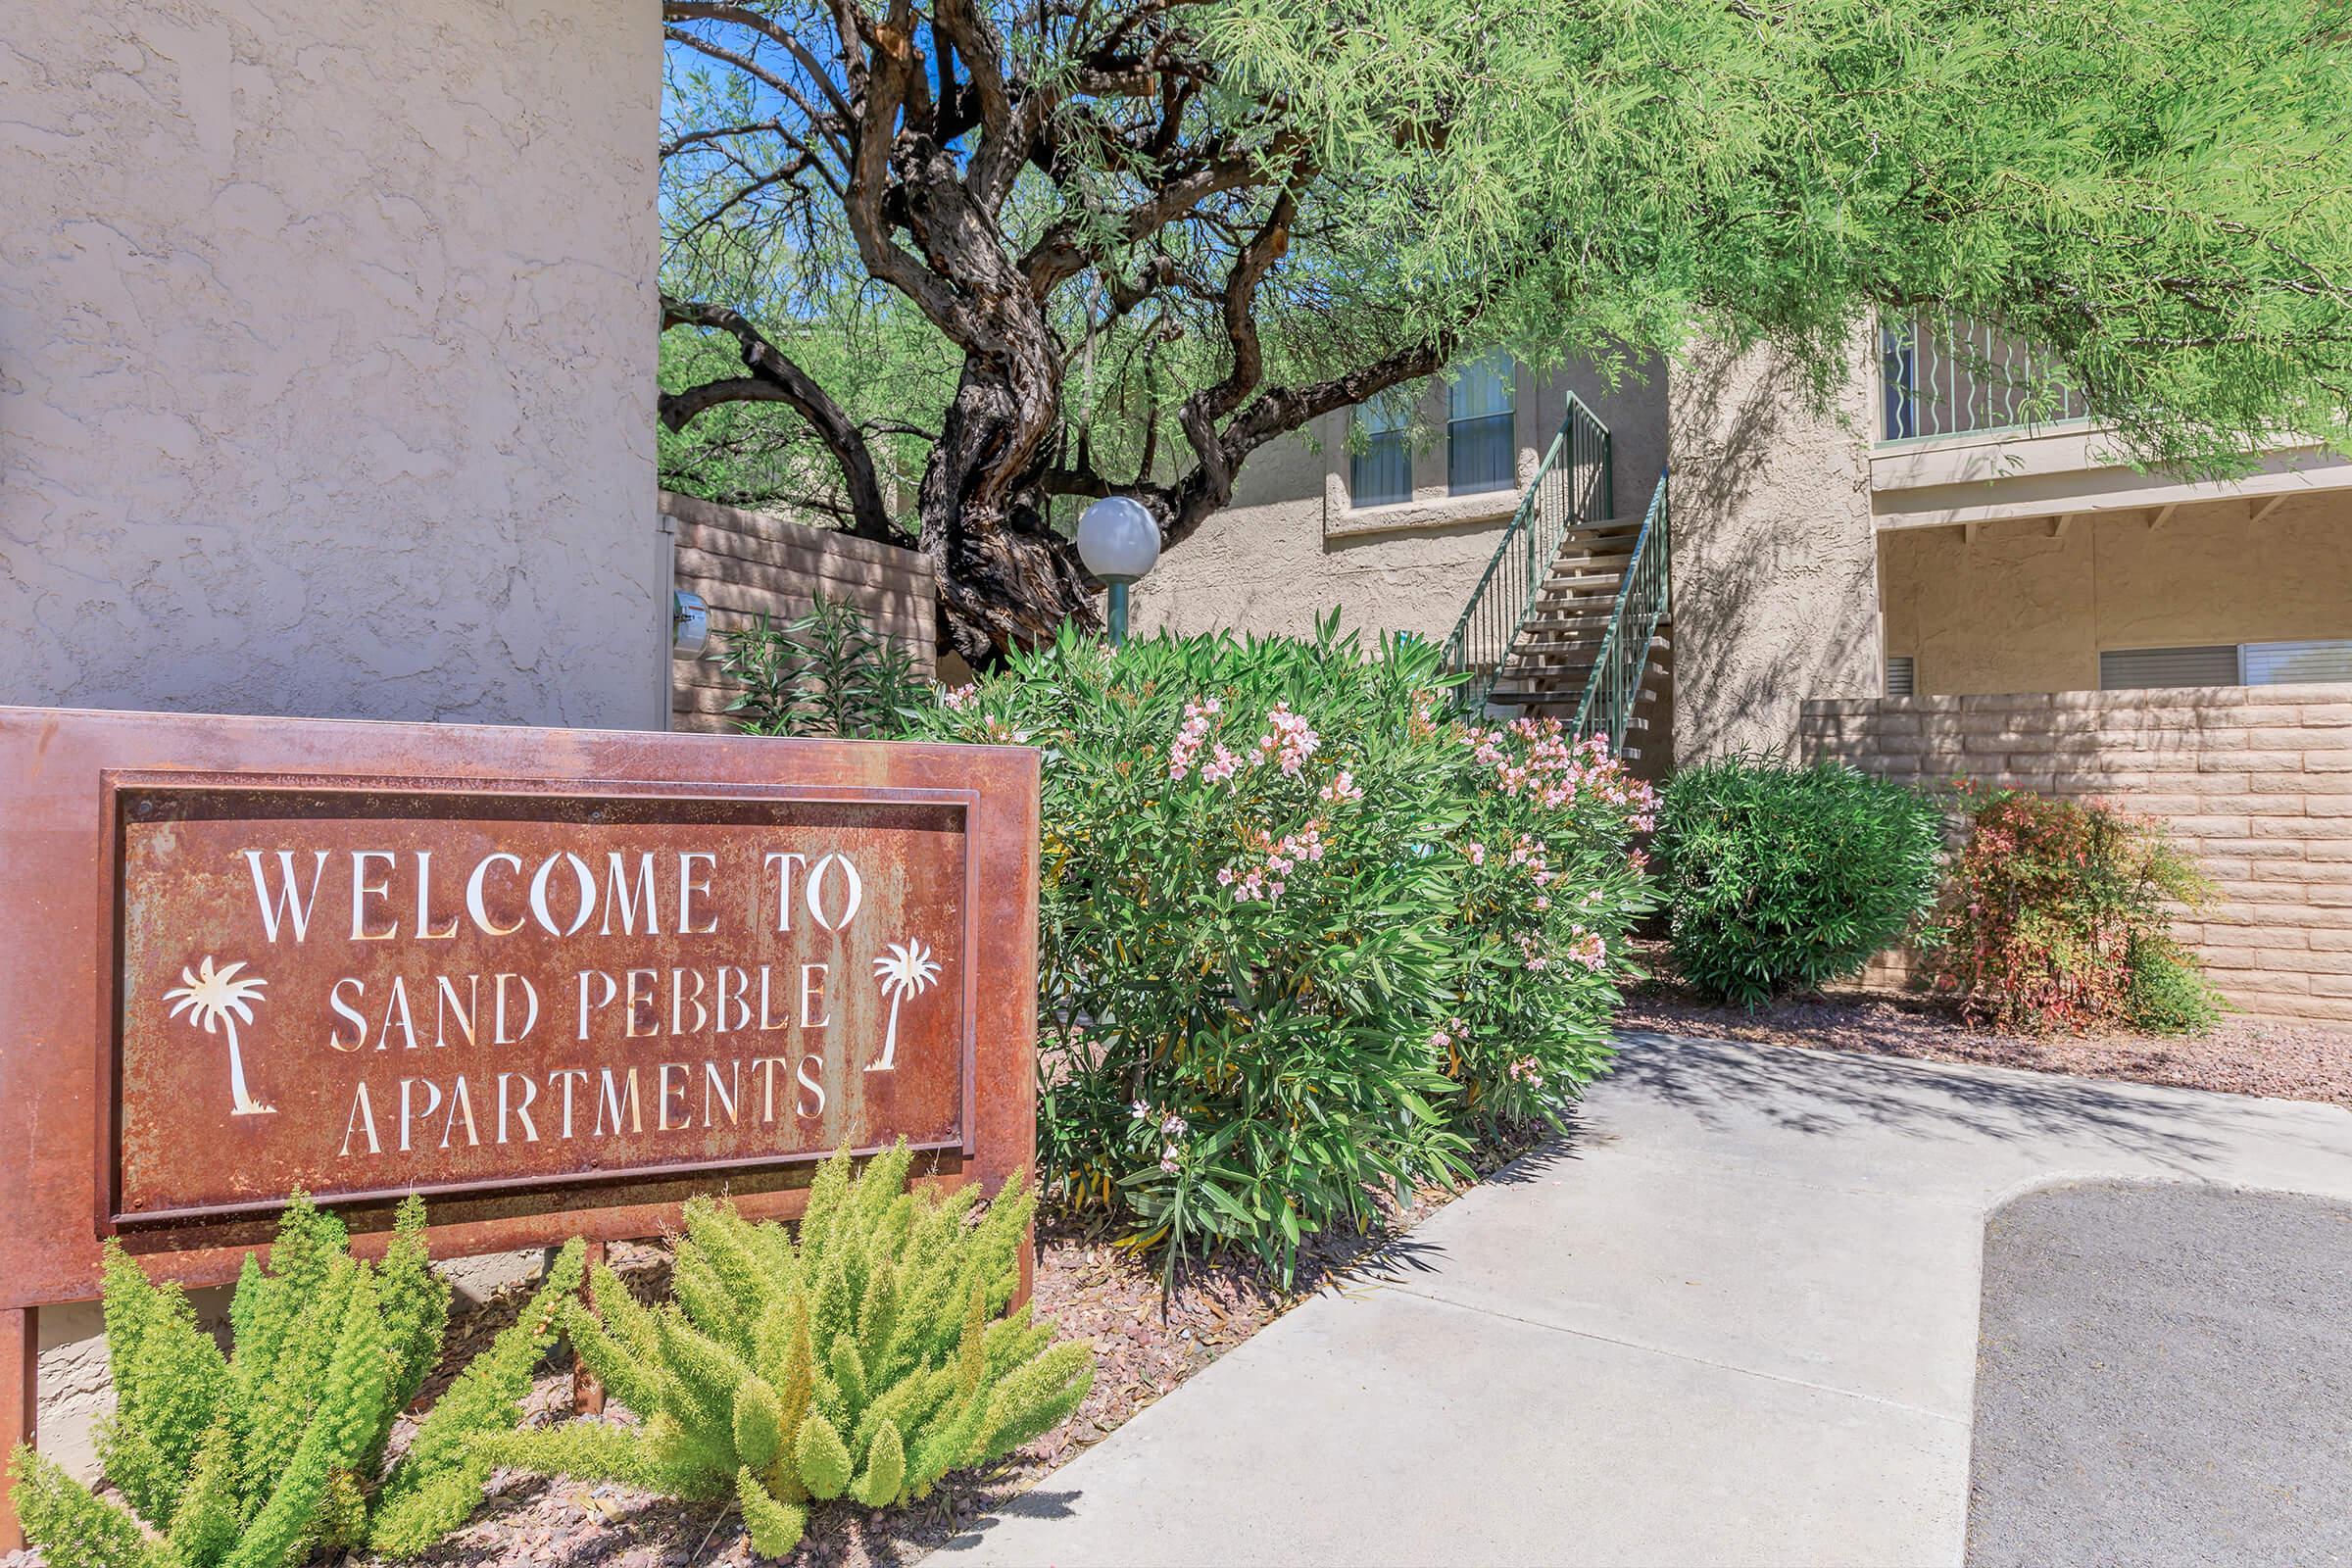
(556, 981)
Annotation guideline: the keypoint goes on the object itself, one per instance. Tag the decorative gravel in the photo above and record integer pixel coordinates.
(2242, 1057)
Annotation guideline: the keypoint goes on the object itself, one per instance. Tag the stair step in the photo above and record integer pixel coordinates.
(1582, 582)
(1585, 566)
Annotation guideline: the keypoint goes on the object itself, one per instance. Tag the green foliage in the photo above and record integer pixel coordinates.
(1781, 879)
(2169, 994)
(256, 1458)
(1301, 934)
(2156, 189)
(868, 1357)
(2060, 914)
(826, 672)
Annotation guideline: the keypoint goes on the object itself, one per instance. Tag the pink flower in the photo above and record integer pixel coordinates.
(958, 697)
(1477, 852)
(1167, 1163)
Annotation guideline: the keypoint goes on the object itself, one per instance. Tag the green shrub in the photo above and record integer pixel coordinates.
(868, 1358)
(1301, 932)
(826, 672)
(255, 1459)
(1781, 879)
(2169, 995)
(2056, 909)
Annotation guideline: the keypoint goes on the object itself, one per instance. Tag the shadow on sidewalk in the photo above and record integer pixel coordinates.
(1825, 1092)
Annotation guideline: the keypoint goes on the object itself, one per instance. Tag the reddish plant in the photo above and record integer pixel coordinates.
(2054, 906)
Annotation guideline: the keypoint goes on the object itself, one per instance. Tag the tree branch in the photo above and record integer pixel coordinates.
(775, 378)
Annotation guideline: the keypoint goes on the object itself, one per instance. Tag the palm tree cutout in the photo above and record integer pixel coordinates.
(905, 971)
(215, 998)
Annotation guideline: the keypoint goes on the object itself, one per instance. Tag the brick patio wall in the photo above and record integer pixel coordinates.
(2255, 781)
(745, 562)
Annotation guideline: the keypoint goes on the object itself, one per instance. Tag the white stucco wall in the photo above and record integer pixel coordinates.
(326, 359)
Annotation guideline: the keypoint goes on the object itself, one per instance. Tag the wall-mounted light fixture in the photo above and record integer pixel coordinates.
(689, 623)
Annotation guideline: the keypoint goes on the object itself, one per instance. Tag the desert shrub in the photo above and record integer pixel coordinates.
(826, 672)
(1300, 929)
(1781, 879)
(256, 1458)
(870, 1356)
(2169, 995)
(2056, 905)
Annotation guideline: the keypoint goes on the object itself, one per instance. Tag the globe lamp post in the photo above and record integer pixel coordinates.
(1119, 542)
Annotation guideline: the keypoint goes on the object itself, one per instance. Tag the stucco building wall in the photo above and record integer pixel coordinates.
(2027, 606)
(1293, 545)
(326, 359)
(1775, 557)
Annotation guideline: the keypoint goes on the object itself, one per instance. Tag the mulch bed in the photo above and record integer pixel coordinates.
(2283, 1059)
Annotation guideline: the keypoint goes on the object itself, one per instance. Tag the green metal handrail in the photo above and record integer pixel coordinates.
(1643, 596)
(1574, 487)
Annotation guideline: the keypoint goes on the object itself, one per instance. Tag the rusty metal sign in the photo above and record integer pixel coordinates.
(364, 989)
(557, 980)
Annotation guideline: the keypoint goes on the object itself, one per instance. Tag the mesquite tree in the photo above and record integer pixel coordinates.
(995, 255)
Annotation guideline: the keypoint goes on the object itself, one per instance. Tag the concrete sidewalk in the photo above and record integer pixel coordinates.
(1733, 1321)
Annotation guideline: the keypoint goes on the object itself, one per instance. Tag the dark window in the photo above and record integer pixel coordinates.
(1380, 470)
(2123, 670)
(1480, 452)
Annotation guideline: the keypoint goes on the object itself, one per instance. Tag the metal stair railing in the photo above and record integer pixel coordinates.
(1642, 597)
(1573, 487)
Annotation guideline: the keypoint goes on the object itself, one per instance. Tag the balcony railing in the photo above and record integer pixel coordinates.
(1940, 378)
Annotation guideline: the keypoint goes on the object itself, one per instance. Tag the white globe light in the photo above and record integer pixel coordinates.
(1117, 539)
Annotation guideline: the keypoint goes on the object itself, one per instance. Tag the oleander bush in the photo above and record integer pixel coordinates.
(1303, 934)
(257, 1458)
(2059, 917)
(1781, 879)
(868, 1357)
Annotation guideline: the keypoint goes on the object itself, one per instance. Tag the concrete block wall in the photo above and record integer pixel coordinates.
(2256, 782)
(746, 562)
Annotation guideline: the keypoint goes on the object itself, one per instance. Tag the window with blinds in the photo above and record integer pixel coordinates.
(1480, 448)
(2123, 670)
(1379, 472)
(2227, 664)
(2285, 664)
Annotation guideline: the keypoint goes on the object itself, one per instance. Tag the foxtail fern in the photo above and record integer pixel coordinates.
(868, 1357)
(256, 1458)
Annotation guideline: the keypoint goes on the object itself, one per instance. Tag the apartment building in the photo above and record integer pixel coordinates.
(1949, 573)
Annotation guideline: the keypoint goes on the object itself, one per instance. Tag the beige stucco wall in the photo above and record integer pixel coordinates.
(1292, 545)
(2027, 606)
(1775, 562)
(326, 359)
